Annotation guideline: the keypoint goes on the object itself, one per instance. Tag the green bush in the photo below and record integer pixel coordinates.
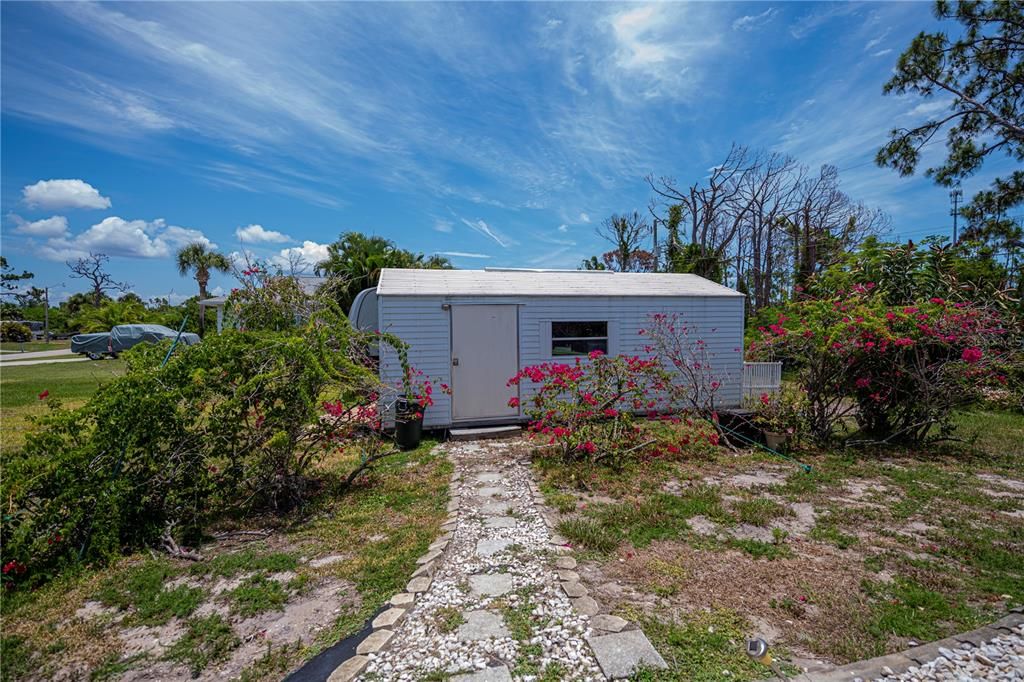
(234, 423)
(14, 332)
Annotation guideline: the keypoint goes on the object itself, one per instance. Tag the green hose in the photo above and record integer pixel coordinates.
(805, 467)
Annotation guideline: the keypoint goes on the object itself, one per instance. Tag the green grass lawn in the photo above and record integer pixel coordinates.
(30, 346)
(69, 382)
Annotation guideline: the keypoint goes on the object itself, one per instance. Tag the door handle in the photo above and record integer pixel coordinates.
(455, 362)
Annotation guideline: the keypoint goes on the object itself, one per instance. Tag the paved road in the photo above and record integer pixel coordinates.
(42, 361)
(34, 355)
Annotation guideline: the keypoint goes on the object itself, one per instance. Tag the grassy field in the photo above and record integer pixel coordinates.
(69, 382)
(30, 346)
(869, 552)
(267, 596)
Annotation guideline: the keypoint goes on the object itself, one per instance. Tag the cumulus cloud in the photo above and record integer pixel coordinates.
(55, 226)
(750, 22)
(116, 236)
(563, 228)
(584, 217)
(300, 259)
(58, 194)
(257, 233)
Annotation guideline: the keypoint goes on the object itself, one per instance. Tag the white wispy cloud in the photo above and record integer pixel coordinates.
(444, 226)
(486, 230)
(463, 254)
(254, 234)
(116, 236)
(881, 53)
(563, 228)
(60, 194)
(584, 217)
(751, 22)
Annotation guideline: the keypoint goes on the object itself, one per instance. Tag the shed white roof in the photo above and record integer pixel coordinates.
(400, 282)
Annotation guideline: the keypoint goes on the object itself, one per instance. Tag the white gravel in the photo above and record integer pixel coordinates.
(1001, 658)
(519, 548)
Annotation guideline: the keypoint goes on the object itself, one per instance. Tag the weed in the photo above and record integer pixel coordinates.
(273, 664)
(553, 672)
(115, 666)
(230, 565)
(759, 511)
(760, 550)
(256, 595)
(826, 531)
(563, 502)
(142, 587)
(589, 534)
(448, 619)
(702, 647)
(17, 656)
(207, 640)
(906, 609)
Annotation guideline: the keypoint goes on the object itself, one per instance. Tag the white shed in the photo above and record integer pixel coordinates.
(474, 329)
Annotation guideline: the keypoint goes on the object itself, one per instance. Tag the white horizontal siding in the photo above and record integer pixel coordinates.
(424, 324)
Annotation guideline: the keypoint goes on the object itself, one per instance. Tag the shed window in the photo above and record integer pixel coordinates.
(578, 338)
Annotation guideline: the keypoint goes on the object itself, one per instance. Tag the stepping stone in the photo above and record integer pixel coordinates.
(417, 585)
(491, 546)
(491, 492)
(489, 477)
(490, 584)
(388, 618)
(377, 640)
(428, 557)
(495, 508)
(327, 560)
(349, 670)
(622, 653)
(566, 562)
(499, 522)
(586, 606)
(569, 576)
(481, 625)
(573, 590)
(497, 674)
(425, 570)
(403, 599)
(608, 623)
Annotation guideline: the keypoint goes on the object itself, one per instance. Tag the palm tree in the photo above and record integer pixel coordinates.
(197, 257)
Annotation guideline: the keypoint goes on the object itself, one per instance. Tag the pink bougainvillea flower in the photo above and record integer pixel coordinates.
(513, 402)
(971, 355)
(595, 354)
(863, 382)
(44, 394)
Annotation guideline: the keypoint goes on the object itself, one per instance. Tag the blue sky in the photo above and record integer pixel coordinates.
(500, 134)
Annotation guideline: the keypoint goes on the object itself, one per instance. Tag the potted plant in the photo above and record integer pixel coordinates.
(416, 397)
(779, 416)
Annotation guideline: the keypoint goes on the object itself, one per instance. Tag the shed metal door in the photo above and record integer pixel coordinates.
(485, 355)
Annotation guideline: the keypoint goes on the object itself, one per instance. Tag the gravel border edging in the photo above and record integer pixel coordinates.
(901, 662)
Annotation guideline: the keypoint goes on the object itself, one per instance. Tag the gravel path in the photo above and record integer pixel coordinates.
(1001, 658)
(495, 609)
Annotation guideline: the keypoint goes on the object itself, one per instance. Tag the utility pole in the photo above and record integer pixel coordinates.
(955, 196)
(46, 315)
(655, 232)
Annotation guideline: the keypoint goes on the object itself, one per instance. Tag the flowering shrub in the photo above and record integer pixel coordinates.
(586, 409)
(235, 423)
(417, 392)
(898, 370)
(781, 412)
(682, 351)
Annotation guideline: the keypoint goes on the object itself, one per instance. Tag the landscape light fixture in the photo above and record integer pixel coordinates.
(757, 649)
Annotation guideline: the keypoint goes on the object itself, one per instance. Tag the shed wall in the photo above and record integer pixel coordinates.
(421, 321)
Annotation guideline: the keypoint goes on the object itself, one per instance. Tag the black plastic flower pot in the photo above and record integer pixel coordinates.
(408, 431)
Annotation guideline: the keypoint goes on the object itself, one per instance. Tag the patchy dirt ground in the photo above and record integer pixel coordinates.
(258, 604)
(863, 556)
